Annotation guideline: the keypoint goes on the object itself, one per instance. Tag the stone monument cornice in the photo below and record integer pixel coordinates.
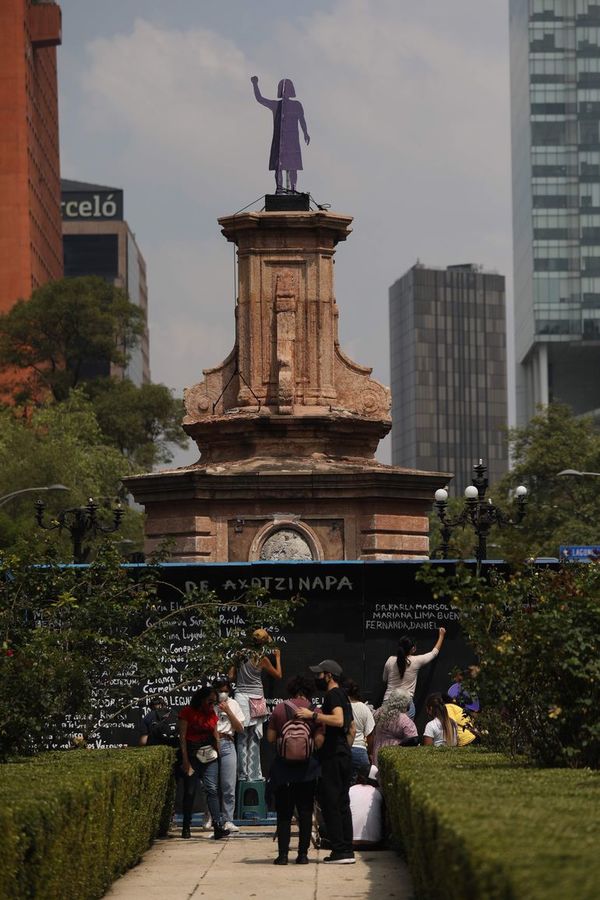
(336, 224)
(266, 480)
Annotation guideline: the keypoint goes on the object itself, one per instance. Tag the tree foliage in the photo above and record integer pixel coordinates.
(535, 634)
(142, 422)
(560, 509)
(63, 327)
(77, 642)
(58, 444)
(48, 345)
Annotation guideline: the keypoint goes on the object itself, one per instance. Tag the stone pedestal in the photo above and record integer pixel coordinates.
(287, 425)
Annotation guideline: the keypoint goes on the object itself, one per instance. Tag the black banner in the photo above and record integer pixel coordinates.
(355, 613)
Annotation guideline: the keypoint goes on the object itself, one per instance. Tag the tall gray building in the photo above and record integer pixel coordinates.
(448, 371)
(555, 102)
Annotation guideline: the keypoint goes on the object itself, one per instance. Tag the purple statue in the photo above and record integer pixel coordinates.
(285, 146)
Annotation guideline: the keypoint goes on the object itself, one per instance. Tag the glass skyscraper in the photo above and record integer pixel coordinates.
(555, 105)
(448, 371)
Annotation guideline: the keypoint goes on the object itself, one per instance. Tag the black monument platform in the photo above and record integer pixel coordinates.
(287, 202)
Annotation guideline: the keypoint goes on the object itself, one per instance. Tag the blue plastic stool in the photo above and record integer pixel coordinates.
(251, 800)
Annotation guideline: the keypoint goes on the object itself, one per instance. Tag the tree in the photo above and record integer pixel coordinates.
(141, 421)
(560, 509)
(58, 444)
(535, 632)
(75, 642)
(65, 325)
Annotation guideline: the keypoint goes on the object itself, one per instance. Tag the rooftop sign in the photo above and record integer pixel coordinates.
(92, 205)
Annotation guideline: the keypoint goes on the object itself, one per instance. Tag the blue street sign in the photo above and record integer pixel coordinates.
(580, 552)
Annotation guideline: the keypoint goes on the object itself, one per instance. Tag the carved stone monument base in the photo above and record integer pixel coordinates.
(287, 425)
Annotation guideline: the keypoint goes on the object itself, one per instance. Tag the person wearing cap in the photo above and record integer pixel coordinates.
(159, 726)
(335, 758)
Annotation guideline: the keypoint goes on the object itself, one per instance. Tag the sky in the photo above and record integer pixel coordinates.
(407, 105)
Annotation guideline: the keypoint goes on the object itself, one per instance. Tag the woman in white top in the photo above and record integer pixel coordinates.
(231, 721)
(441, 729)
(400, 671)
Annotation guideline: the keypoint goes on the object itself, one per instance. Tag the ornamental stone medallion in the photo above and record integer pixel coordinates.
(286, 544)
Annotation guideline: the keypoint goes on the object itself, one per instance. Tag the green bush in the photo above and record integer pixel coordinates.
(71, 822)
(476, 825)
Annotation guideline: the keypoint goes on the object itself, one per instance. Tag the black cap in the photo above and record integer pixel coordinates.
(328, 665)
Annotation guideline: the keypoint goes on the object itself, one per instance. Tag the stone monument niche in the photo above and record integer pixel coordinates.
(287, 425)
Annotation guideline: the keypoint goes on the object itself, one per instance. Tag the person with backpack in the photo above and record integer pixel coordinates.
(159, 726)
(295, 770)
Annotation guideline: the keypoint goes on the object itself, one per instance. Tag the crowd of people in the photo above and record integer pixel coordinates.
(325, 766)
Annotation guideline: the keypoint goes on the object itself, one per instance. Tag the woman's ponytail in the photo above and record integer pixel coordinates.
(405, 645)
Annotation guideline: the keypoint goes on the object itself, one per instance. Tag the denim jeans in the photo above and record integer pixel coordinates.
(208, 774)
(360, 759)
(228, 778)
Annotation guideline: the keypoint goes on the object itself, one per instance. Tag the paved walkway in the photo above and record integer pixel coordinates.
(241, 868)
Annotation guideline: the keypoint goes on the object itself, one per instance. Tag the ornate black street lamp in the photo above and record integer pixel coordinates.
(479, 513)
(82, 523)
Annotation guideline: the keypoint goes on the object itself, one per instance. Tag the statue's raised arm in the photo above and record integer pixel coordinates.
(288, 118)
(270, 104)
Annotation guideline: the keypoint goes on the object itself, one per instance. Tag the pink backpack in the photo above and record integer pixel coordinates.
(295, 742)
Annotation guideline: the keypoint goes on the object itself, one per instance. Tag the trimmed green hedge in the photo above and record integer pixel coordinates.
(73, 821)
(476, 825)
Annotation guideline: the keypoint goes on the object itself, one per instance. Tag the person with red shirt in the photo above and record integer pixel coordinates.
(199, 744)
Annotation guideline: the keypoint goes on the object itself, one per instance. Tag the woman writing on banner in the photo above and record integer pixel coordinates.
(250, 694)
(400, 672)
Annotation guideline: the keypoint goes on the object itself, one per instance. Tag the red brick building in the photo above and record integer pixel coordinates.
(30, 217)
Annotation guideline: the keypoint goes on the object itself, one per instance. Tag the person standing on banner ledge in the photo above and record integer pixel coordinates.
(250, 694)
(335, 758)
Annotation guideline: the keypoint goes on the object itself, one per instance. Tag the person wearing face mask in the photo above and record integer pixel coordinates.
(231, 721)
(335, 758)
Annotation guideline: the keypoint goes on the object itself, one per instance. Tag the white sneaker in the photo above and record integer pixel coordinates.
(208, 824)
(231, 827)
